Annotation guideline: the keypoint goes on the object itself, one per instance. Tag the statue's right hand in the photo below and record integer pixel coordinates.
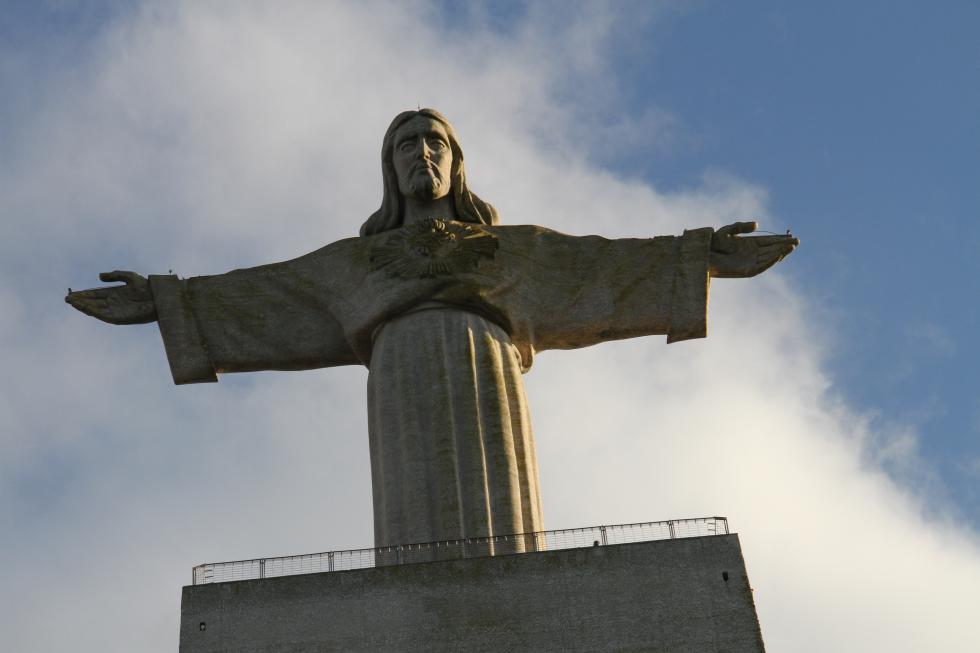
(131, 303)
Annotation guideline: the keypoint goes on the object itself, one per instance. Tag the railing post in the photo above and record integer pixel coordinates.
(262, 568)
(602, 535)
(670, 527)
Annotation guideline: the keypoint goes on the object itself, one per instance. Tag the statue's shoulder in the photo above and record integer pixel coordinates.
(537, 235)
(340, 253)
(522, 230)
(531, 232)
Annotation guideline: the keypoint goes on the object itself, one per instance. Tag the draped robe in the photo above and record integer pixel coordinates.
(447, 316)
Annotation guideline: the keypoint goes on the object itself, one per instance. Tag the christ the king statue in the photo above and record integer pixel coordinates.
(446, 309)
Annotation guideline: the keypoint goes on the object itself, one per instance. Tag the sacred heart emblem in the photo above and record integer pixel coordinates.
(433, 248)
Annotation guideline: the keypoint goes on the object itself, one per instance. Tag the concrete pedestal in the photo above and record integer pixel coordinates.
(678, 596)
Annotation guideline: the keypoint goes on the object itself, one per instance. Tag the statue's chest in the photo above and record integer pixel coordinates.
(432, 249)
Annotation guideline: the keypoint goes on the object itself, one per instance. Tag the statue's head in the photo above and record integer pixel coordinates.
(445, 175)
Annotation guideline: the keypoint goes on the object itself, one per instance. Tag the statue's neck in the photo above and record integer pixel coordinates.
(417, 209)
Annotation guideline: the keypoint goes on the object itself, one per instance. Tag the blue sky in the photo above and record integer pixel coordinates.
(833, 414)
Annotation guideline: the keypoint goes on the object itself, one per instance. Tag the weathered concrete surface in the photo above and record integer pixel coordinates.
(669, 596)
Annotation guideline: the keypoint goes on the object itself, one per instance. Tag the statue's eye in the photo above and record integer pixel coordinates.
(439, 145)
(406, 146)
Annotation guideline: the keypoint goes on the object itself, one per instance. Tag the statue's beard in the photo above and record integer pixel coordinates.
(428, 185)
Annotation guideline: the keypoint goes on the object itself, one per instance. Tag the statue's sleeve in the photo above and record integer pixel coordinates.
(590, 289)
(272, 317)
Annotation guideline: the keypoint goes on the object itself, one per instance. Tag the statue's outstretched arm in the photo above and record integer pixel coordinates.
(589, 289)
(271, 317)
(733, 255)
(131, 303)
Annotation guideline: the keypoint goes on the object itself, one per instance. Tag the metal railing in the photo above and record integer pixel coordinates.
(311, 563)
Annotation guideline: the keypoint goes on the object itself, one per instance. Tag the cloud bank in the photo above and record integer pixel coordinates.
(202, 137)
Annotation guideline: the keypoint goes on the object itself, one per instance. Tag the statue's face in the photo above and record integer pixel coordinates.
(423, 159)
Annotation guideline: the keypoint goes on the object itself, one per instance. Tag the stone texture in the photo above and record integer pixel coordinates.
(668, 596)
(446, 404)
(446, 315)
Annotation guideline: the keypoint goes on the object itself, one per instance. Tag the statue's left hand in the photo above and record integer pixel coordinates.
(733, 255)
(128, 304)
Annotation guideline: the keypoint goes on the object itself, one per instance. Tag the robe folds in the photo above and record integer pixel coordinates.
(447, 316)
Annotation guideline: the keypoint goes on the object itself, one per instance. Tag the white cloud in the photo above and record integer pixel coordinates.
(204, 137)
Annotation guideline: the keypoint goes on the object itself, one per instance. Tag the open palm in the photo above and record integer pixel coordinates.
(131, 303)
(733, 255)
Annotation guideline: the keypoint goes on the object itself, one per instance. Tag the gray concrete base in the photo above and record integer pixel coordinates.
(679, 596)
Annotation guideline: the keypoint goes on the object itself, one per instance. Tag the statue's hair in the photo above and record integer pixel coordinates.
(469, 207)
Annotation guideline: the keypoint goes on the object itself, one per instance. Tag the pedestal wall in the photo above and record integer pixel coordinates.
(679, 596)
